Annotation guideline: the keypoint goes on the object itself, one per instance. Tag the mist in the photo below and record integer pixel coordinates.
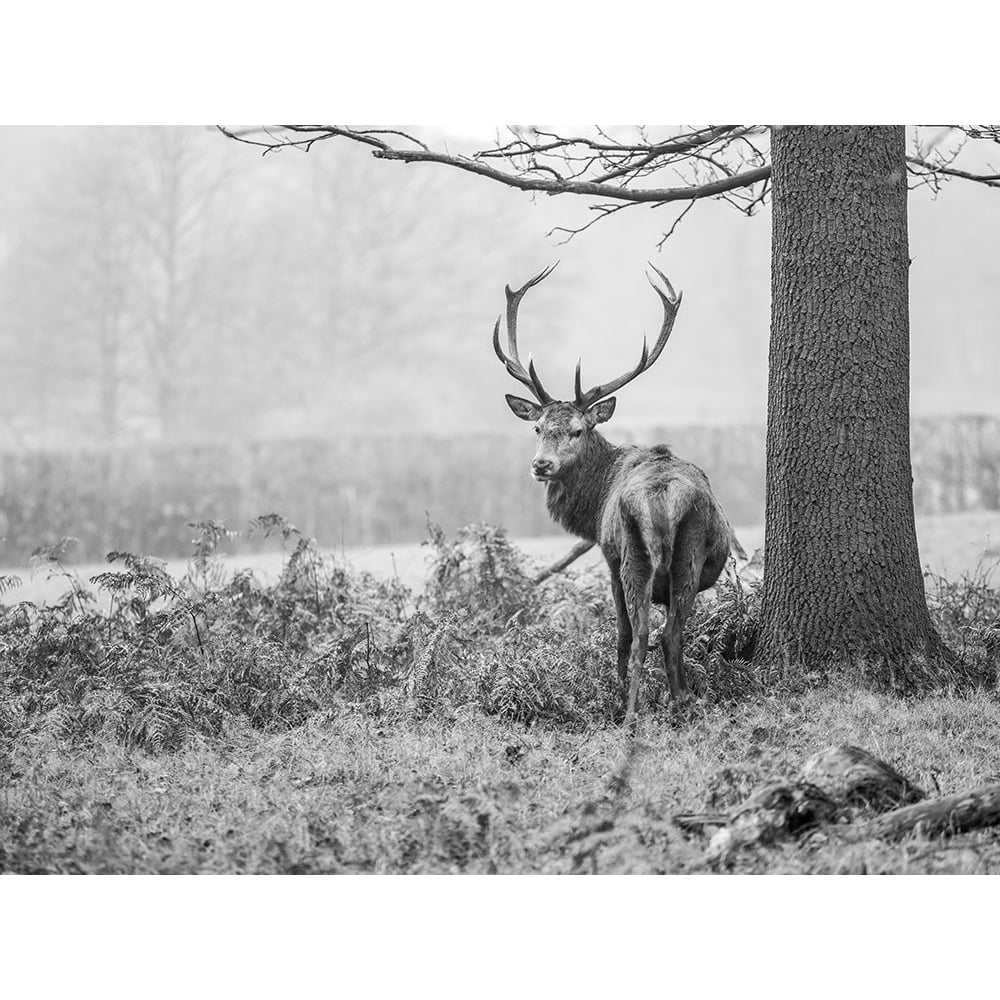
(192, 330)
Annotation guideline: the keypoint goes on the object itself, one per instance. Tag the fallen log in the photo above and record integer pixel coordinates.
(971, 810)
(557, 567)
(772, 811)
(837, 785)
(853, 777)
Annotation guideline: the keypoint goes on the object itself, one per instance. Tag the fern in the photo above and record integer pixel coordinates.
(54, 554)
(164, 661)
(270, 524)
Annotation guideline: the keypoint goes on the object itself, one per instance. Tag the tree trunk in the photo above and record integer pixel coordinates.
(842, 578)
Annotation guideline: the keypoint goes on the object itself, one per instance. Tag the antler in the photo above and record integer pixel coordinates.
(513, 364)
(671, 303)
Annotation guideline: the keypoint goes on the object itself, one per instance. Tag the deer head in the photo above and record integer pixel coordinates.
(566, 429)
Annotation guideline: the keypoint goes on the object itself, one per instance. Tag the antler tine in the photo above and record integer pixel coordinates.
(512, 361)
(671, 303)
(514, 300)
(543, 396)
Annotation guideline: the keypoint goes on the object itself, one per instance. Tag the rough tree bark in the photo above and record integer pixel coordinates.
(842, 578)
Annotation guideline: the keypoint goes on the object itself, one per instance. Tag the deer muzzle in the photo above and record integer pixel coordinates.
(543, 469)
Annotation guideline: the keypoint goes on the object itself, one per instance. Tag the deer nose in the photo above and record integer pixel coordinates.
(541, 466)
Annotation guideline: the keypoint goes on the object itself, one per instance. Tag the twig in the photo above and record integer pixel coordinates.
(990, 180)
(561, 564)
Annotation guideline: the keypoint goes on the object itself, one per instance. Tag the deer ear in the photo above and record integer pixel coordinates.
(600, 412)
(523, 408)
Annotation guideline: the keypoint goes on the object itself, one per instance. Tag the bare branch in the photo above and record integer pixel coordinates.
(666, 149)
(925, 167)
(560, 564)
(680, 217)
(591, 188)
(991, 133)
(523, 152)
(720, 161)
(934, 160)
(679, 144)
(602, 210)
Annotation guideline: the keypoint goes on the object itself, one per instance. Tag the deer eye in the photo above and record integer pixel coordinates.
(538, 429)
(575, 434)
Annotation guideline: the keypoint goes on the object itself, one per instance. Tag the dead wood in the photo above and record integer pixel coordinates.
(853, 777)
(843, 784)
(557, 567)
(697, 822)
(773, 811)
(970, 810)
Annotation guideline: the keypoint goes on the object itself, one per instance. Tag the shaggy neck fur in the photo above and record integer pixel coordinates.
(576, 500)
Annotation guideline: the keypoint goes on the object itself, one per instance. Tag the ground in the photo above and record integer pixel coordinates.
(329, 723)
(472, 794)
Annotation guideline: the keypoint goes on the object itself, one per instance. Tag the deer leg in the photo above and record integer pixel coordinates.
(673, 660)
(683, 590)
(624, 628)
(638, 602)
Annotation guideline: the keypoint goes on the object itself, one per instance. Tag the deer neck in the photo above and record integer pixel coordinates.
(576, 501)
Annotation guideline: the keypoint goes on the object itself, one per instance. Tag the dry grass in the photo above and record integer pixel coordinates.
(475, 794)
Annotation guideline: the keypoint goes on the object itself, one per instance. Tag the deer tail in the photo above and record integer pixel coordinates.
(637, 560)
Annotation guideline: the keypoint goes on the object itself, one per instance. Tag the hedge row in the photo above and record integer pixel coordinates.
(376, 490)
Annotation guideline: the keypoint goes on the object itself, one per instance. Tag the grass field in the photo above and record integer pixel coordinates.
(330, 722)
(473, 794)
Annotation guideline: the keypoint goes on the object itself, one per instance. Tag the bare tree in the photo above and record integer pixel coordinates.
(109, 287)
(175, 188)
(842, 578)
(120, 283)
(155, 282)
(68, 282)
(348, 264)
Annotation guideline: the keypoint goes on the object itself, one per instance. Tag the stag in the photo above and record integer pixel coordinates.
(659, 525)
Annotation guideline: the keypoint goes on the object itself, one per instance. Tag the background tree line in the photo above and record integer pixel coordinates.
(159, 285)
(164, 284)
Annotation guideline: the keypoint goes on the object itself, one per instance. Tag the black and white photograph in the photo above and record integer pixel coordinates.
(500, 499)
